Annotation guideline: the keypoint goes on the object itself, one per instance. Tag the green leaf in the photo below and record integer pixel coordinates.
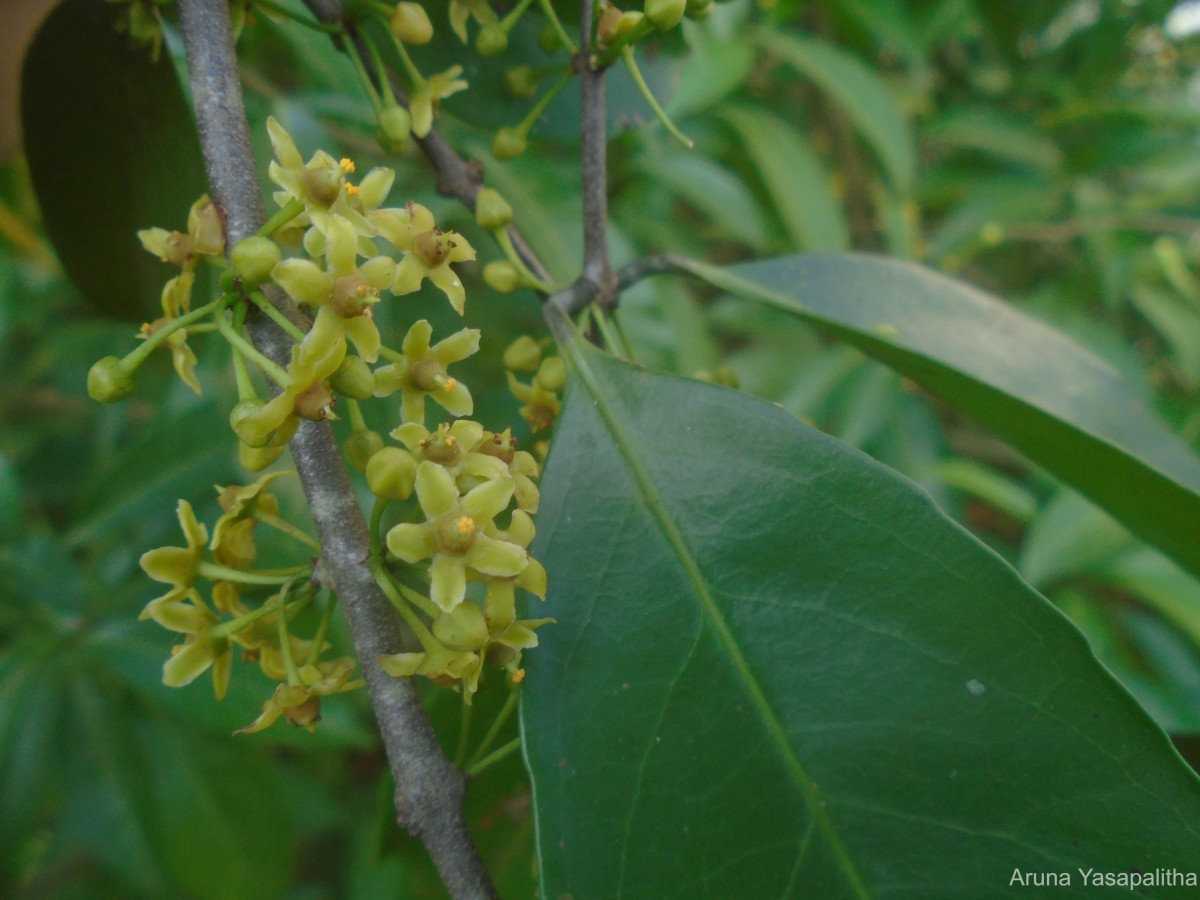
(795, 179)
(1066, 409)
(779, 670)
(864, 97)
(112, 149)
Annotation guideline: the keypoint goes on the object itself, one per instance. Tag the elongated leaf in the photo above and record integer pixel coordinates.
(1060, 405)
(865, 98)
(795, 179)
(780, 671)
(112, 149)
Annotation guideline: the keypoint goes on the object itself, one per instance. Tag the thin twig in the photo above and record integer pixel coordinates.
(429, 791)
(594, 165)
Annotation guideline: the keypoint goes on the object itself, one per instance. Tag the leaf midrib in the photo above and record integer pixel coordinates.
(569, 340)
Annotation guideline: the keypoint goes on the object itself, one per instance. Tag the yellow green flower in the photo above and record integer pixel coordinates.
(461, 10)
(182, 358)
(428, 95)
(318, 184)
(451, 446)
(301, 703)
(233, 535)
(423, 371)
(453, 535)
(520, 464)
(541, 406)
(344, 290)
(177, 566)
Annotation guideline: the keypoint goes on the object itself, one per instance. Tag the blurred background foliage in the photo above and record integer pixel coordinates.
(1047, 152)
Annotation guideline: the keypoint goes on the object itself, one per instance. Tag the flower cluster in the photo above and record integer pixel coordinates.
(213, 627)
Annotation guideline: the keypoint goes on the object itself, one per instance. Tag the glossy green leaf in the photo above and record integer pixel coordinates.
(795, 179)
(778, 670)
(112, 148)
(864, 97)
(1063, 407)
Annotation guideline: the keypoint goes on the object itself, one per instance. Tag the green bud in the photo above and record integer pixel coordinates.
(521, 81)
(492, 210)
(394, 126)
(665, 14)
(410, 23)
(255, 459)
(523, 354)
(248, 433)
(254, 258)
(699, 9)
(502, 276)
(549, 39)
(509, 143)
(354, 378)
(361, 446)
(391, 473)
(463, 628)
(109, 380)
(492, 40)
(551, 374)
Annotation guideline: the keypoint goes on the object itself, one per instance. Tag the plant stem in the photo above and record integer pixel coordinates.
(644, 89)
(282, 10)
(257, 298)
(597, 270)
(510, 703)
(547, 8)
(285, 650)
(464, 734)
(215, 572)
(429, 790)
(286, 527)
(493, 758)
(137, 356)
(284, 215)
(314, 652)
(240, 345)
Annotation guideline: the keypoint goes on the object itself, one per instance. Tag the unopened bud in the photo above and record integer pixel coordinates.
(254, 258)
(492, 40)
(523, 355)
(394, 126)
(665, 14)
(549, 39)
(521, 81)
(492, 210)
(410, 23)
(248, 431)
(391, 473)
(109, 380)
(509, 143)
(699, 9)
(361, 446)
(552, 374)
(502, 276)
(255, 459)
(354, 378)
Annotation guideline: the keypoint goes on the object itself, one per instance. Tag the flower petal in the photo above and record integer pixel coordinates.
(412, 543)
(456, 401)
(284, 146)
(488, 500)
(409, 275)
(189, 663)
(446, 279)
(378, 272)
(493, 557)
(375, 186)
(341, 247)
(303, 280)
(456, 347)
(362, 331)
(416, 342)
(447, 581)
(435, 489)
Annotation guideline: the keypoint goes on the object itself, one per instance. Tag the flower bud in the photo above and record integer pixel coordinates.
(410, 23)
(552, 374)
(241, 420)
(391, 473)
(606, 26)
(699, 9)
(492, 40)
(502, 276)
(255, 459)
(492, 210)
(109, 380)
(254, 258)
(354, 378)
(463, 628)
(521, 81)
(523, 355)
(361, 446)
(509, 143)
(665, 14)
(394, 126)
(629, 22)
